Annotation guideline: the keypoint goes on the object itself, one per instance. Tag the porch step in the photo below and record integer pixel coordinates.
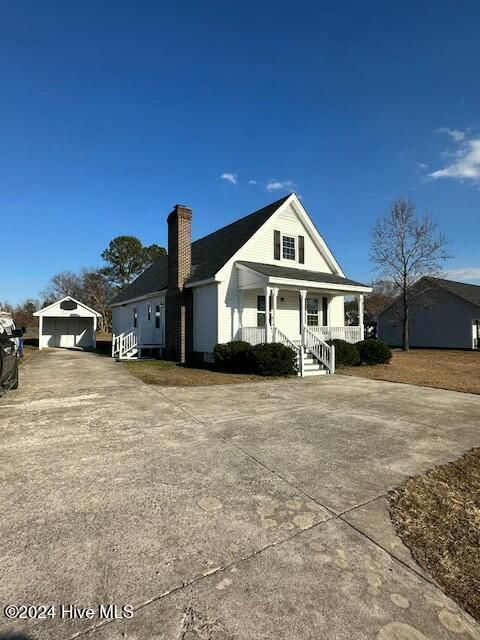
(314, 372)
(130, 355)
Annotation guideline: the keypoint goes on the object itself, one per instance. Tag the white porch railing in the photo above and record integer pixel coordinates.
(123, 343)
(252, 335)
(323, 352)
(279, 337)
(350, 334)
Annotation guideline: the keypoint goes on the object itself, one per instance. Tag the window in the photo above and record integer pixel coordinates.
(261, 311)
(157, 316)
(288, 247)
(135, 317)
(149, 311)
(312, 312)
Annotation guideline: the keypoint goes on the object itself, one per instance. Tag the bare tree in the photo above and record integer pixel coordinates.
(63, 284)
(404, 247)
(377, 300)
(97, 293)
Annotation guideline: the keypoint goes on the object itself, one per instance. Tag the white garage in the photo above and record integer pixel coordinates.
(67, 323)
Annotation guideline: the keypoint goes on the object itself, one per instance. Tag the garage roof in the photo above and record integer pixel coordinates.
(66, 299)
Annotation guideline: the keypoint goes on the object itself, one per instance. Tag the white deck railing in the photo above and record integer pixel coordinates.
(350, 334)
(252, 335)
(323, 352)
(123, 343)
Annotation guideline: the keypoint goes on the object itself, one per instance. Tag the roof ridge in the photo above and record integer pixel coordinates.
(276, 204)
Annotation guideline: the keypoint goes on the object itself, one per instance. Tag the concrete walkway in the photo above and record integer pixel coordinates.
(251, 511)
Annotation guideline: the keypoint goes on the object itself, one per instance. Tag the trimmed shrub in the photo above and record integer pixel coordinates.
(234, 356)
(346, 353)
(374, 352)
(274, 359)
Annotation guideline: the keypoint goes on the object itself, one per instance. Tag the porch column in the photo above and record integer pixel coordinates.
(40, 332)
(360, 315)
(238, 333)
(303, 312)
(274, 309)
(268, 328)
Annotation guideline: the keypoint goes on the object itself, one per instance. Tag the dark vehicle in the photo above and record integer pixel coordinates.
(9, 356)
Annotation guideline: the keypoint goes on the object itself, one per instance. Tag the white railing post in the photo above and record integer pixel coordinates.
(361, 315)
(332, 358)
(268, 327)
(274, 311)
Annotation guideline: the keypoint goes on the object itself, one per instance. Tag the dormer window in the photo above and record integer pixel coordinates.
(288, 248)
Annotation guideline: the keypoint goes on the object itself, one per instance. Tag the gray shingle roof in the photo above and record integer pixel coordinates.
(154, 278)
(279, 271)
(209, 254)
(469, 292)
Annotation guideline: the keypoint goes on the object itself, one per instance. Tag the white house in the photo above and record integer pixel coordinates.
(443, 314)
(268, 277)
(67, 323)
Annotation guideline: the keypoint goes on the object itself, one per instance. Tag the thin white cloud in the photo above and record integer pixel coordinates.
(276, 185)
(252, 182)
(455, 134)
(465, 165)
(466, 274)
(422, 165)
(229, 177)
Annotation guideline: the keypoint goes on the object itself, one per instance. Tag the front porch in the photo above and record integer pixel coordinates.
(303, 314)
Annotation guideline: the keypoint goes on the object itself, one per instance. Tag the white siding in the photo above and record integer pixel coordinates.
(288, 310)
(336, 311)
(228, 307)
(122, 317)
(205, 318)
(261, 250)
(288, 222)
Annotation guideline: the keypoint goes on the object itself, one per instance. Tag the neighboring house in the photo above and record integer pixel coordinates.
(443, 314)
(268, 277)
(67, 323)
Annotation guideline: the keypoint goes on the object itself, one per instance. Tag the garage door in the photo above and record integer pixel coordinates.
(68, 332)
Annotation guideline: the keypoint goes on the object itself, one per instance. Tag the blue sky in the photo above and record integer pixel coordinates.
(113, 111)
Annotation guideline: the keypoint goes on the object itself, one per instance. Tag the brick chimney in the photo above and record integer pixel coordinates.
(178, 301)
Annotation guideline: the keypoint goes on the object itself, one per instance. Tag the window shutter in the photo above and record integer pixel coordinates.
(301, 249)
(276, 245)
(325, 311)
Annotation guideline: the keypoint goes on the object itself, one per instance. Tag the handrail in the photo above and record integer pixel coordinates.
(323, 352)
(279, 336)
(123, 343)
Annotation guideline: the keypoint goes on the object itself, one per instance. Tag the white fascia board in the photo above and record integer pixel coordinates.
(312, 230)
(315, 234)
(311, 284)
(153, 294)
(221, 274)
(41, 311)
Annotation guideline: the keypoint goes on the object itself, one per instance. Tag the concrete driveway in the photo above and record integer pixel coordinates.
(251, 511)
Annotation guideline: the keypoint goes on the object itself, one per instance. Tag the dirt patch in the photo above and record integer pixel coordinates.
(169, 374)
(454, 370)
(28, 352)
(437, 515)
